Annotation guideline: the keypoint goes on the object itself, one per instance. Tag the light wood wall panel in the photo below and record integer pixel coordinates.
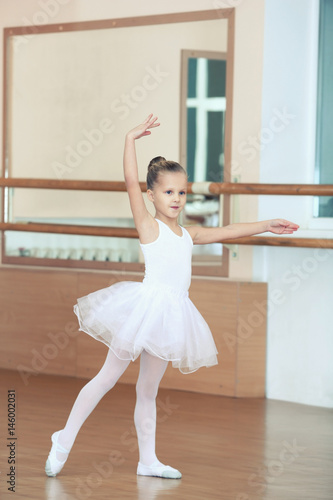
(39, 331)
(251, 340)
(37, 327)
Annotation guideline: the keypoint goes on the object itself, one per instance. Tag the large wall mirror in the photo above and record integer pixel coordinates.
(71, 93)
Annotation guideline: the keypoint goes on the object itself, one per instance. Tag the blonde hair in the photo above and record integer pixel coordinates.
(159, 165)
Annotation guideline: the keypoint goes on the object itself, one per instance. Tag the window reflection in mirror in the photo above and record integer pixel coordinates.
(204, 107)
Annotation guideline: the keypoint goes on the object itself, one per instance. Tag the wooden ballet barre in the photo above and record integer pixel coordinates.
(116, 232)
(127, 232)
(272, 189)
(217, 188)
(206, 188)
(275, 241)
(75, 185)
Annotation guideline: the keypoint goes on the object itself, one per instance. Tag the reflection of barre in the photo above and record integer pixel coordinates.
(201, 187)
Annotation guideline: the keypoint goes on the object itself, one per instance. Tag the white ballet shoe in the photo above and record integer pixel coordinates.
(158, 470)
(53, 466)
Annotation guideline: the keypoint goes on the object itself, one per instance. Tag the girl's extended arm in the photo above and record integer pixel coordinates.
(203, 235)
(138, 207)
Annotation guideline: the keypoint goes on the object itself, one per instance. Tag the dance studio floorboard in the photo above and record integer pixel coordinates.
(237, 449)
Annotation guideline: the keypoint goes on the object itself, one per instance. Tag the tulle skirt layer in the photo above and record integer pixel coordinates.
(130, 317)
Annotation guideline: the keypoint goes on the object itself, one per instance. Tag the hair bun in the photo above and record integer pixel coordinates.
(156, 161)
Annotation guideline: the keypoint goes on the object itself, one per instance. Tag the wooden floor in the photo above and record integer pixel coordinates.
(237, 449)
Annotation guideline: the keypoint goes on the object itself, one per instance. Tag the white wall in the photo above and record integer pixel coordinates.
(300, 330)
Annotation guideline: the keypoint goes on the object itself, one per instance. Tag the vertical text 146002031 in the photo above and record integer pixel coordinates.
(11, 445)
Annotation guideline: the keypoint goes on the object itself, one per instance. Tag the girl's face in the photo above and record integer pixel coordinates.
(169, 194)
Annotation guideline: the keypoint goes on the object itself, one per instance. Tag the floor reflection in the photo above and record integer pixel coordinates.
(54, 490)
(150, 488)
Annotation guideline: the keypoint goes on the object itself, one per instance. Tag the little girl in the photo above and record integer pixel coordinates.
(154, 319)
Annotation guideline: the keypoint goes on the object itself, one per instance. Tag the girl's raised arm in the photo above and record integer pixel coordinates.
(140, 213)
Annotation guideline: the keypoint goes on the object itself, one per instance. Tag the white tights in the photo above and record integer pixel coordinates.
(151, 372)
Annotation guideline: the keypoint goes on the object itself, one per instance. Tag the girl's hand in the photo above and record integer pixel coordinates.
(281, 226)
(143, 129)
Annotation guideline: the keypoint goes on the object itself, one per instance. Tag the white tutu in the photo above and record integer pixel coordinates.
(130, 317)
